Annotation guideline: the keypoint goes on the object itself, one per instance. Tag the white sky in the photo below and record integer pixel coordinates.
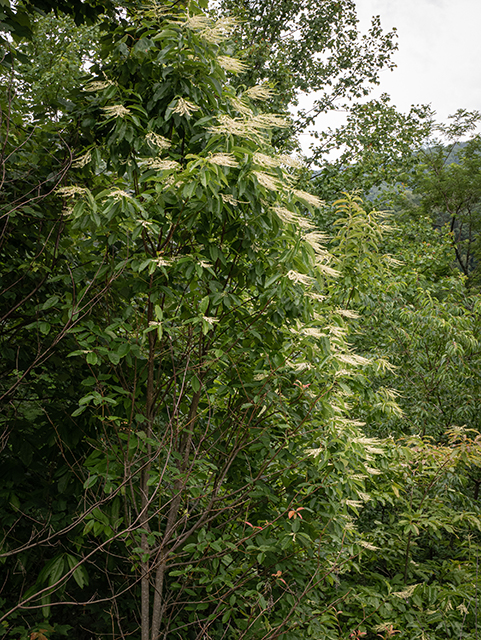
(439, 53)
(439, 56)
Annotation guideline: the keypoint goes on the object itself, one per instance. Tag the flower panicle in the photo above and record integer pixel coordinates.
(223, 160)
(116, 111)
(70, 191)
(184, 107)
(232, 64)
(300, 278)
(259, 92)
(156, 140)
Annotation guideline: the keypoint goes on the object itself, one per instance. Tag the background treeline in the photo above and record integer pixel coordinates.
(239, 390)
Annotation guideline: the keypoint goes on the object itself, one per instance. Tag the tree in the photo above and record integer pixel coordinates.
(18, 19)
(450, 193)
(418, 326)
(212, 367)
(301, 46)
(375, 148)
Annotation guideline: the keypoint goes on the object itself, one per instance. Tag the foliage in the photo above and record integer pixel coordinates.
(302, 46)
(18, 18)
(229, 410)
(374, 148)
(450, 194)
(210, 365)
(414, 313)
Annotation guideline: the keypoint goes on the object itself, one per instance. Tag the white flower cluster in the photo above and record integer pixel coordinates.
(116, 111)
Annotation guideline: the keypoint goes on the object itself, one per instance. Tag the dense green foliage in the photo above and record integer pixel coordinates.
(230, 410)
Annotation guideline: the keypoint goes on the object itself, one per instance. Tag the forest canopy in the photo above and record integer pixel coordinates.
(239, 387)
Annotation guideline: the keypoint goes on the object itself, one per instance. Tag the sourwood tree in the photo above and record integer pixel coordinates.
(207, 478)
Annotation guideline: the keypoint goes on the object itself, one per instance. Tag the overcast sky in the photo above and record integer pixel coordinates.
(439, 55)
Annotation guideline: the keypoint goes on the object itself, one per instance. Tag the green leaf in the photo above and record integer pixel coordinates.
(51, 302)
(114, 357)
(90, 482)
(44, 327)
(92, 358)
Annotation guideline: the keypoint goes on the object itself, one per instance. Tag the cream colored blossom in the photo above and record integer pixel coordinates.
(377, 451)
(367, 545)
(347, 313)
(292, 217)
(384, 365)
(155, 140)
(259, 92)
(308, 197)
(356, 504)
(197, 22)
(232, 64)
(240, 106)
(364, 440)
(116, 111)
(98, 85)
(365, 497)
(371, 445)
(170, 181)
(220, 30)
(72, 190)
(314, 239)
(372, 471)
(297, 277)
(269, 120)
(266, 180)
(393, 261)
(147, 224)
(252, 128)
(162, 262)
(391, 394)
(289, 161)
(265, 161)
(184, 107)
(305, 224)
(326, 270)
(118, 194)
(81, 161)
(223, 159)
(315, 452)
(316, 296)
(153, 9)
(287, 216)
(406, 593)
(353, 359)
(338, 332)
(230, 126)
(229, 199)
(312, 332)
(161, 165)
(213, 32)
(210, 319)
(298, 366)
